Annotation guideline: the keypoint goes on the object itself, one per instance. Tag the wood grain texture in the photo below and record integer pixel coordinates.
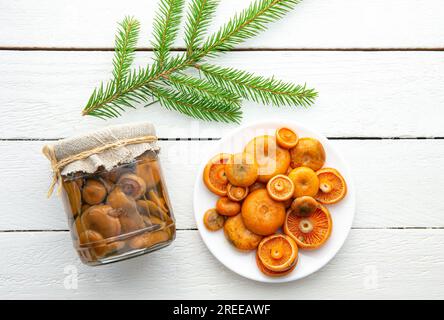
(395, 249)
(396, 183)
(373, 264)
(313, 24)
(361, 93)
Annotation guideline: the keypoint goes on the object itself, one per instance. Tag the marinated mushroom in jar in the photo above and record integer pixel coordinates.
(159, 201)
(125, 210)
(93, 192)
(78, 178)
(149, 171)
(131, 185)
(109, 185)
(114, 175)
(85, 207)
(78, 227)
(152, 221)
(89, 237)
(151, 209)
(72, 192)
(94, 242)
(103, 219)
(117, 199)
(148, 239)
(130, 221)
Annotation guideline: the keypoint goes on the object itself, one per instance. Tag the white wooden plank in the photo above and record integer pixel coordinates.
(397, 182)
(361, 93)
(374, 264)
(313, 24)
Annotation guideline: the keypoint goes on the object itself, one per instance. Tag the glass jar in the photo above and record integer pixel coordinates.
(120, 213)
(114, 192)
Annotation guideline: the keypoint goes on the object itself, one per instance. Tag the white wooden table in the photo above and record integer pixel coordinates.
(379, 68)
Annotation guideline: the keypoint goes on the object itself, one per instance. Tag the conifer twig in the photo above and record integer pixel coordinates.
(213, 98)
(247, 24)
(260, 89)
(165, 28)
(197, 107)
(200, 13)
(202, 87)
(125, 45)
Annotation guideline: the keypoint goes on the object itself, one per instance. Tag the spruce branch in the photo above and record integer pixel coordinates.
(166, 27)
(257, 88)
(200, 13)
(196, 106)
(247, 24)
(109, 101)
(125, 45)
(205, 89)
(213, 98)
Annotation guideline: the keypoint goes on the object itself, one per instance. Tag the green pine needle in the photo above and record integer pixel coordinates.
(247, 24)
(166, 27)
(213, 98)
(257, 88)
(125, 44)
(197, 106)
(200, 13)
(109, 101)
(202, 87)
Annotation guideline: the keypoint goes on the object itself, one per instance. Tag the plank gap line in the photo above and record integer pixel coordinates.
(215, 139)
(178, 49)
(195, 229)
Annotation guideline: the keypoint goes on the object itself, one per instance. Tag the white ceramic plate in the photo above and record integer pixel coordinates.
(244, 263)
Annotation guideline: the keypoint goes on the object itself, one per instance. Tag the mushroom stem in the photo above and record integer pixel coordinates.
(325, 187)
(279, 186)
(305, 226)
(276, 253)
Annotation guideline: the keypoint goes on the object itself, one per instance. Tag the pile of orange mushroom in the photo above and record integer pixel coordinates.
(272, 198)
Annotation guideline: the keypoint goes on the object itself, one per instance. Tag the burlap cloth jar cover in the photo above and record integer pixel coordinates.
(101, 149)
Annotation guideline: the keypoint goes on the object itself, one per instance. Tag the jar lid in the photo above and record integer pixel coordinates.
(104, 148)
